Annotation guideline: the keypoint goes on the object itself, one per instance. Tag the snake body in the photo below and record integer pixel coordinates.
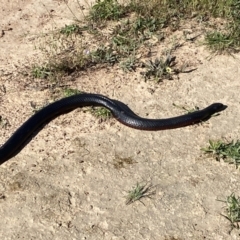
(35, 123)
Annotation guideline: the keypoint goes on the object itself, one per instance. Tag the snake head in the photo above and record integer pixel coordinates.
(217, 107)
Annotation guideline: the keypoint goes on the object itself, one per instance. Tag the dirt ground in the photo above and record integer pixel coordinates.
(71, 180)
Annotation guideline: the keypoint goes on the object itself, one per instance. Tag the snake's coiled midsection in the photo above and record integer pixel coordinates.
(34, 124)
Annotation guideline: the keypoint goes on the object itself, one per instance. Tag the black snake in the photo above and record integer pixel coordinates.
(120, 111)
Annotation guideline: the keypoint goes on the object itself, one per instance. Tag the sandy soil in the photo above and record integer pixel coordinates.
(65, 183)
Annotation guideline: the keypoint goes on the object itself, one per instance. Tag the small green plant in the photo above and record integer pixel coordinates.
(229, 152)
(70, 92)
(64, 55)
(125, 39)
(138, 192)
(101, 112)
(159, 68)
(125, 44)
(70, 29)
(106, 10)
(104, 55)
(129, 64)
(149, 24)
(41, 72)
(219, 42)
(232, 210)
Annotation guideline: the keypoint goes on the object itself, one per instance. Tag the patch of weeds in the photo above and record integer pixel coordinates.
(159, 69)
(167, 13)
(140, 191)
(229, 152)
(124, 44)
(129, 35)
(172, 9)
(129, 64)
(70, 92)
(219, 42)
(170, 13)
(126, 39)
(41, 72)
(70, 29)
(101, 112)
(106, 10)
(229, 39)
(232, 210)
(149, 24)
(104, 55)
(64, 55)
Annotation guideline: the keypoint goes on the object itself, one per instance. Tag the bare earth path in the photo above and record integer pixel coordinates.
(66, 184)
